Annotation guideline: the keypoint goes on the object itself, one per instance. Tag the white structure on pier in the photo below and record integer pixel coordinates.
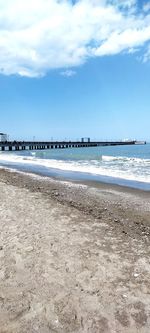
(3, 137)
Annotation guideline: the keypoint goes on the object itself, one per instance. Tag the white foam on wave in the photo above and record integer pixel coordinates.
(125, 159)
(134, 169)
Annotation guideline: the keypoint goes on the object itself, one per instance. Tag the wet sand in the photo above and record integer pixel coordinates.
(74, 257)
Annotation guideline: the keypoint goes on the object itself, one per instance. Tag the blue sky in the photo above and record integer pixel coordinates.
(74, 70)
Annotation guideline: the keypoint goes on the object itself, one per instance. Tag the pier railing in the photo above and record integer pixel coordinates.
(34, 145)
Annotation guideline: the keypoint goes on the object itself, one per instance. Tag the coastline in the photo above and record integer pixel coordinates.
(82, 194)
(77, 176)
(75, 256)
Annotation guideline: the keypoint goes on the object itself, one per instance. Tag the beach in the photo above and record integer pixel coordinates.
(74, 256)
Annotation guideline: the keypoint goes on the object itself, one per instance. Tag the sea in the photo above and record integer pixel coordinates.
(120, 165)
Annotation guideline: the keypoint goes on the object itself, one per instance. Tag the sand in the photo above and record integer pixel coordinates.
(74, 257)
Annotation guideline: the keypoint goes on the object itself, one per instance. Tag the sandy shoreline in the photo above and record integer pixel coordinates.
(74, 258)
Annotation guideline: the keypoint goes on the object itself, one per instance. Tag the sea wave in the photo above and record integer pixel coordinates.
(134, 169)
(125, 159)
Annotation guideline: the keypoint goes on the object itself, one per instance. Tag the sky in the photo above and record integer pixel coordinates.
(72, 69)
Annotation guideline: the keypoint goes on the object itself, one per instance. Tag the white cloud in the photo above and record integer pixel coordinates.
(118, 42)
(68, 73)
(39, 35)
(124, 3)
(147, 54)
(146, 7)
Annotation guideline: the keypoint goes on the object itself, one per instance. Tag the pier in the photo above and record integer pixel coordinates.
(34, 145)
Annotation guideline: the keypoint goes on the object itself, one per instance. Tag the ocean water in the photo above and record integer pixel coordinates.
(123, 165)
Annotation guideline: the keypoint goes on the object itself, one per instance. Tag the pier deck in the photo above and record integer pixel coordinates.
(33, 145)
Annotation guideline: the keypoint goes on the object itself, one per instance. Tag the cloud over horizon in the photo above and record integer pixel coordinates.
(37, 36)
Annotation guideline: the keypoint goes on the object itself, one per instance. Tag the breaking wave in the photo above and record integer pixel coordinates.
(125, 159)
(128, 168)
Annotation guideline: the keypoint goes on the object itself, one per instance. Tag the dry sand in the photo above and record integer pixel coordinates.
(74, 258)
